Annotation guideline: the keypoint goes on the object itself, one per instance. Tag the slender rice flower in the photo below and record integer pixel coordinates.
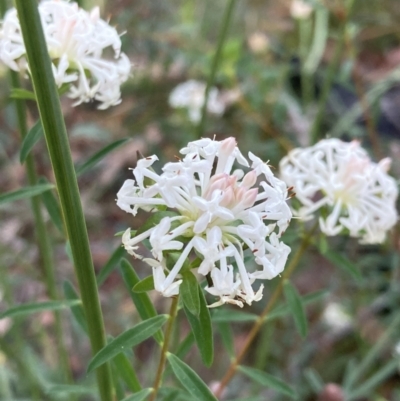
(76, 41)
(300, 9)
(351, 193)
(191, 95)
(220, 215)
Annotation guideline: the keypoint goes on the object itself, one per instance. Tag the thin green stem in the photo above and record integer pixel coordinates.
(215, 62)
(164, 350)
(43, 239)
(66, 182)
(305, 26)
(261, 319)
(329, 78)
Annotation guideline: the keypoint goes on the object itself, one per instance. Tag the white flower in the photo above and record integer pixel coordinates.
(220, 215)
(300, 9)
(336, 317)
(191, 95)
(353, 194)
(76, 41)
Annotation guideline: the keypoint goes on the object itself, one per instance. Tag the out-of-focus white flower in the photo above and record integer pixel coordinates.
(220, 214)
(258, 42)
(336, 317)
(300, 9)
(352, 193)
(191, 95)
(76, 41)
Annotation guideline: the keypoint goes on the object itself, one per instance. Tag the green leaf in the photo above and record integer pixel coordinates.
(145, 285)
(71, 389)
(296, 307)
(232, 316)
(202, 329)
(52, 206)
(367, 388)
(31, 138)
(98, 156)
(268, 381)
(283, 310)
(77, 310)
(140, 396)
(28, 309)
(189, 293)
(153, 220)
(174, 394)
(18, 93)
(225, 331)
(190, 379)
(25, 193)
(343, 263)
(127, 339)
(126, 372)
(142, 302)
(112, 262)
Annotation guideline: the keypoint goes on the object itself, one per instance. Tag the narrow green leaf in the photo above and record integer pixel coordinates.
(28, 309)
(225, 331)
(314, 379)
(202, 329)
(189, 293)
(343, 263)
(142, 302)
(366, 388)
(126, 372)
(31, 138)
(232, 316)
(296, 307)
(127, 339)
(18, 93)
(77, 310)
(283, 309)
(98, 156)
(190, 379)
(145, 285)
(24, 193)
(268, 381)
(140, 396)
(112, 262)
(52, 206)
(71, 389)
(174, 394)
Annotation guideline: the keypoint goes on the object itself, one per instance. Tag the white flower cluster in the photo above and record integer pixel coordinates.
(300, 9)
(191, 95)
(76, 41)
(220, 214)
(353, 194)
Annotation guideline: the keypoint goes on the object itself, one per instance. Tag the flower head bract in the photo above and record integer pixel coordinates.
(350, 193)
(220, 216)
(76, 42)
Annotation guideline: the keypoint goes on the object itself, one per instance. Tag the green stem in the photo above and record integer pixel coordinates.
(164, 350)
(67, 186)
(43, 239)
(261, 319)
(330, 76)
(210, 81)
(305, 26)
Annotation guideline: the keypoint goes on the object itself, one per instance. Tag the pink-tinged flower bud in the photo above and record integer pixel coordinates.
(249, 179)
(225, 153)
(249, 198)
(385, 164)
